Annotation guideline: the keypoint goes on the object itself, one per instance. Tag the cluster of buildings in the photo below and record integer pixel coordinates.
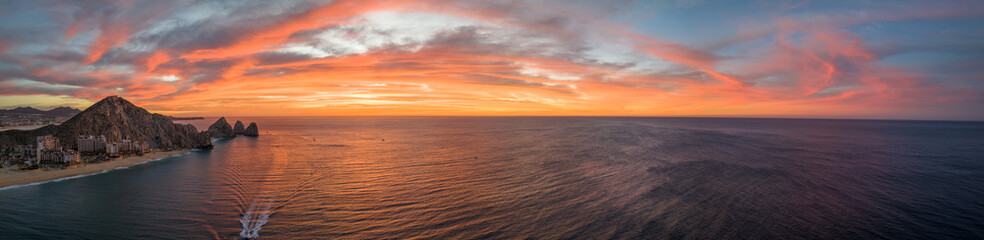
(20, 123)
(21, 120)
(98, 144)
(49, 151)
(18, 154)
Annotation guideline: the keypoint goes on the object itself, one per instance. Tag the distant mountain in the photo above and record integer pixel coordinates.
(58, 111)
(23, 110)
(185, 118)
(63, 111)
(116, 118)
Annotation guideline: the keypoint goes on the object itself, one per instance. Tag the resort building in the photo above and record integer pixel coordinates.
(18, 154)
(141, 147)
(25, 150)
(59, 157)
(113, 149)
(49, 151)
(47, 144)
(126, 146)
(92, 144)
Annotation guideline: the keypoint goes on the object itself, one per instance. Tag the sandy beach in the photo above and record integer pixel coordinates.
(11, 177)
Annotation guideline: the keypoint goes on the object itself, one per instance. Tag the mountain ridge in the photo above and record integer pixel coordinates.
(117, 119)
(57, 111)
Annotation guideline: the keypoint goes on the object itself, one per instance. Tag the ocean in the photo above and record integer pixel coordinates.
(533, 178)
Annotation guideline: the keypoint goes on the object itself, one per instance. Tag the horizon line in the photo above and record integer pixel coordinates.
(614, 116)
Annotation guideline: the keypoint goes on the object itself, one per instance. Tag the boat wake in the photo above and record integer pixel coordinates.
(254, 219)
(265, 188)
(264, 202)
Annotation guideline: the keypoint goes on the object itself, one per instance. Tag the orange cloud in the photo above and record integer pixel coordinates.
(109, 36)
(473, 58)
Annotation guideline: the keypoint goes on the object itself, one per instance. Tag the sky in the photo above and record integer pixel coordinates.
(755, 58)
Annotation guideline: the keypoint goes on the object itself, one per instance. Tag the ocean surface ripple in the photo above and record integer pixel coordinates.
(534, 177)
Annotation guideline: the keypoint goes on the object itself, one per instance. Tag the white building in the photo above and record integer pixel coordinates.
(92, 144)
(46, 144)
(113, 149)
(59, 157)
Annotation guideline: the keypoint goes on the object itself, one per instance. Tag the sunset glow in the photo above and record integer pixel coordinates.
(883, 59)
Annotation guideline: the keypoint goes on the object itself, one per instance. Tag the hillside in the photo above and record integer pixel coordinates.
(116, 118)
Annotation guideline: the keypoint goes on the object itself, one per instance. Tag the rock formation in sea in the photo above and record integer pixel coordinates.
(239, 128)
(221, 129)
(116, 118)
(252, 131)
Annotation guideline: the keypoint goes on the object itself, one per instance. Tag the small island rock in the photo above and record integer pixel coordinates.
(221, 129)
(252, 131)
(239, 129)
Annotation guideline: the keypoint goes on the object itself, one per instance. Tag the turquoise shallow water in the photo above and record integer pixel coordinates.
(541, 178)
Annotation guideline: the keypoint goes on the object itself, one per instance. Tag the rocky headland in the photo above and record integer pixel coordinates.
(116, 118)
(113, 118)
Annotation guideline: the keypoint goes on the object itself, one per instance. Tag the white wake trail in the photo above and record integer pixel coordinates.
(254, 219)
(259, 212)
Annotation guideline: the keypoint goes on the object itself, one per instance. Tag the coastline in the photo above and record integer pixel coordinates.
(22, 128)
(11, 178)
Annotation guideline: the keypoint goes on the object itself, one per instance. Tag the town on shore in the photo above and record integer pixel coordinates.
(29, 117)
(95, 135)
(50, 153)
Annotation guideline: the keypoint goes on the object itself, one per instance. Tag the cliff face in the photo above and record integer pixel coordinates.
(200, 140)
(117, 118)
(252, 131)
(221, 129)
(239, 128)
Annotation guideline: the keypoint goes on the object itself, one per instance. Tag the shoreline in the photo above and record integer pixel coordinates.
(10, 178)
(22, 128)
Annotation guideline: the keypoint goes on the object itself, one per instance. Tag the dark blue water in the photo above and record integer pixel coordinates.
(540, 178)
